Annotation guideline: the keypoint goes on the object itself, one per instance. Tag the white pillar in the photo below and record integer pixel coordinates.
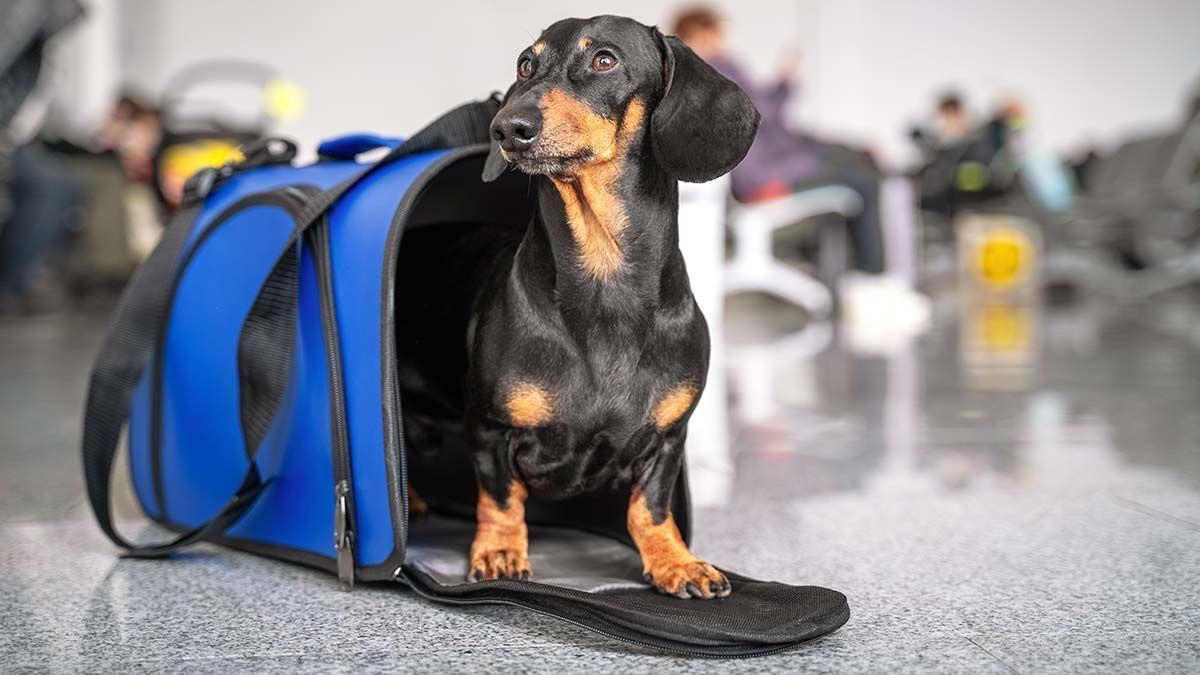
(702, 241)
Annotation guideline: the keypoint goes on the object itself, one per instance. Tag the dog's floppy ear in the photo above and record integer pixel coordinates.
(704, 123)
(495, 164)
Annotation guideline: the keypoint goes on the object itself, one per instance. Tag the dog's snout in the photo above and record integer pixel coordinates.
(517, 130)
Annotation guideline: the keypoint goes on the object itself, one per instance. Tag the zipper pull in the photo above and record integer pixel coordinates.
(343, 537)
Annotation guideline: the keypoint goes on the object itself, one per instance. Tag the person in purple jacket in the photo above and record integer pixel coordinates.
(781, 160)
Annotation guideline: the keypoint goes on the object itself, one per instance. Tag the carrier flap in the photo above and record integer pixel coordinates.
(596, 582)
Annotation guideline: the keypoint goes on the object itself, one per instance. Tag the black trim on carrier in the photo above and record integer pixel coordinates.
(393, 428)
(344, 520)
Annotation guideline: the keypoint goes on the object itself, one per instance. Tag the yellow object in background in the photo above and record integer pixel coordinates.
(182, 160)
(998, 254)
(1003, 258)
(1003, 328)
(283, 99)
(998, 345)
(188, 158)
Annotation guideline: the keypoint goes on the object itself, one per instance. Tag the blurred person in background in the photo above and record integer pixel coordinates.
(950, 120)
(784, 160)
(40, 199)
(115, 163)
(132, 131)
(968, 161)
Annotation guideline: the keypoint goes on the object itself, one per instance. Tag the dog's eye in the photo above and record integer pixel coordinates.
(603, 61)
(525, 68)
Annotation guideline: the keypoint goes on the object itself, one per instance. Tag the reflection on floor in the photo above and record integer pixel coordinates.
(1017, 490)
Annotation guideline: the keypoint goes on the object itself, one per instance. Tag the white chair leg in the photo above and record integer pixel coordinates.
(799, 289)
(753, 268)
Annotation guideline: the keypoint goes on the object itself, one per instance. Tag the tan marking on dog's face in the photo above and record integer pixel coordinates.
(538, 48)
(501, 545)
(584, 43)
(528, 405)
(666, 560)
(570, 128)
(673, 405)
(594, 212)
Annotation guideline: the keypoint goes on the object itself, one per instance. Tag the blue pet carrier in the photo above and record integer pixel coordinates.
(253, 361)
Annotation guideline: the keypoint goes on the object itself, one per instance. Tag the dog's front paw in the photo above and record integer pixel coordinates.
(499, 564)
(688, 579)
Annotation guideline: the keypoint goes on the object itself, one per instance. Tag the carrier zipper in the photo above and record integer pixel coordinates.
(343, 536)
(343, 509)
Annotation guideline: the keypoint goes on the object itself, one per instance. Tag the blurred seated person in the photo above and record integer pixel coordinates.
(40, 200)
(132, 131)
(782, 161)
(951, 123)
(114, 161)
(966, 162)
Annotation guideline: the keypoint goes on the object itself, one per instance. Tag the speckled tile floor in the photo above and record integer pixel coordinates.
(1017, 491)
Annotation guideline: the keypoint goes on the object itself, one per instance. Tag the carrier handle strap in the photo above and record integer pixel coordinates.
(142, 313)
(350, 146)
(127, 350)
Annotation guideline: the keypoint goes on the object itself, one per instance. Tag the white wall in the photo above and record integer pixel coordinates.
(380, 66)
(1087, 68)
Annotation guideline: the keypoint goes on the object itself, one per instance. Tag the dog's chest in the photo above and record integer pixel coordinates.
(594, 442)
(596, 428)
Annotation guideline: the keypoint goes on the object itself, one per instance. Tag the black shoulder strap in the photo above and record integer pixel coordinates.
(126, 351)
(263, 372)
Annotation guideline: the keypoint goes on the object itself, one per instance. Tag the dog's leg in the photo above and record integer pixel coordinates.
(666, 561)
(501, 546)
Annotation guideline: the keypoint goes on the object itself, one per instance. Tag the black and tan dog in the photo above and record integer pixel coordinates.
(587, 352)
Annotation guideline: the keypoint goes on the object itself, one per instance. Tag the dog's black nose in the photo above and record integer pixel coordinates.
(517, 130)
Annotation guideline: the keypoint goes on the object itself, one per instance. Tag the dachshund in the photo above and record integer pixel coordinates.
(586, 352)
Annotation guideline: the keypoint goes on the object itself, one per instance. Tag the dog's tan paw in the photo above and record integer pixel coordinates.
(689, 579)
(499, 564)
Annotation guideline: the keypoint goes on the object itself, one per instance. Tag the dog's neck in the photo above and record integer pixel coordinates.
(604, 244)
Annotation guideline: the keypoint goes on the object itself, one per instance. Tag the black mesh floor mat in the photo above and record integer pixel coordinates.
(595, 582)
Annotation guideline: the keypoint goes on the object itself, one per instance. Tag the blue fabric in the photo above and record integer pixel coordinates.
(359, 227)
(323, 175)
(139, 449)
(202, 456)
(352, 145)
(297, 509)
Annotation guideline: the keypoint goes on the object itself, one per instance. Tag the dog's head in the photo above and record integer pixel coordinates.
(590, 91)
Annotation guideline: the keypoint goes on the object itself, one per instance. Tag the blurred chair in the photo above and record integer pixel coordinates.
(754, 267)
(1143, 205)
